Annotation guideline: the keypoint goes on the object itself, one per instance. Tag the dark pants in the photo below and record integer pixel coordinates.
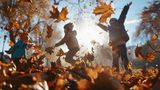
(16, 61)
(70, 54)
(120, 51)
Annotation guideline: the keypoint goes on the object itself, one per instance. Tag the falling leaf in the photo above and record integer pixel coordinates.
(49, 31)
(63, 15)
(104, 10)
(154, 37)
(138, 52)
(54, 13)
(60, 53)
(57, 15)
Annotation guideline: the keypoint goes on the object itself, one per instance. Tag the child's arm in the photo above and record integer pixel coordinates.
(124, 13)
(61, 42)
(105, 28)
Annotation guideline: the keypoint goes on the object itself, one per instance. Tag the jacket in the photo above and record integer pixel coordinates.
(70, 40)
(19, 49)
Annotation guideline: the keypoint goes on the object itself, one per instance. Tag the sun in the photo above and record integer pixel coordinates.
(88, 32)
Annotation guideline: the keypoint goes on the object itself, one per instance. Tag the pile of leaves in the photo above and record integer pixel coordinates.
(77, 77)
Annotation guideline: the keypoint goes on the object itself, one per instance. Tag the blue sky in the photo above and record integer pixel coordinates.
(132, 19)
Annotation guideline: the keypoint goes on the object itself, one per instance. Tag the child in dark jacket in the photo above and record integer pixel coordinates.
(17, 51)
(71, 41)
(118, 38)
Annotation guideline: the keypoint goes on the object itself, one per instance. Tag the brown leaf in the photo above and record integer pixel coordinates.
(57, 15)
(49, 31)
(138, 52)
(54, 13)
(60, 53)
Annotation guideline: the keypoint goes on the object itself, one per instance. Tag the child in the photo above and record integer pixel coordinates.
(118, 38)
(71, 41)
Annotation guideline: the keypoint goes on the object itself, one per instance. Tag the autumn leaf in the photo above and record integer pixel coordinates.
(138, 52)
(15, 25)
(49, 31)
(93, 74)
(60, 53)
(57, 15)
(63, 15)
(154, 37)
(150, 56)
(104, 10)
(54, 13)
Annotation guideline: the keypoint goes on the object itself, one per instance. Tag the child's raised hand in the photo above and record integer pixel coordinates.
(129, 4)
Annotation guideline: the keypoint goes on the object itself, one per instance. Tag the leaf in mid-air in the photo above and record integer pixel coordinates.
(105, 10)
(63, 15)
(57, 15)
(60, 53)
(54, 13)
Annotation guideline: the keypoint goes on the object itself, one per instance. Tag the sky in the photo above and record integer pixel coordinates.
(85, 21)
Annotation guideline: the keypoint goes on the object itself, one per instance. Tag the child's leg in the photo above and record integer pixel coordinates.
(69, 55)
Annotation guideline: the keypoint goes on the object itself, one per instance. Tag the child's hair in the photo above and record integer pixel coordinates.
(68, 26)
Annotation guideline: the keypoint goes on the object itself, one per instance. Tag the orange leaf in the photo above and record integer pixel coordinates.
(63, 15)
(15, 25)
(154, 37)
(104, 17)
(105, 10)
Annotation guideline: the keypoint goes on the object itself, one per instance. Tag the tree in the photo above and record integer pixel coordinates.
(20, 13)
(150, 28)
(150, 23)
